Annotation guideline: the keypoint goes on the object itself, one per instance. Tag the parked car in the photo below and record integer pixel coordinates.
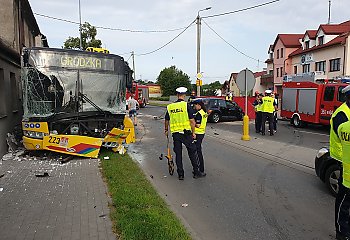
(220, 109)
(327, 169)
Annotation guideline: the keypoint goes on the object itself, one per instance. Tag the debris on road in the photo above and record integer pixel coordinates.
(106, 158)
(151, 176)
(2, 174)
(1, 189)
(11, 142)
(66, 159)
(164, 176)
(215, 133)
(41, 174)
(184, 205)
(161, 156)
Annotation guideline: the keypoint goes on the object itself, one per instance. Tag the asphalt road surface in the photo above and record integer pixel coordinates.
(244, 195)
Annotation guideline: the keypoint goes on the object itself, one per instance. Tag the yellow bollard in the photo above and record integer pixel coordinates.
(245, 136)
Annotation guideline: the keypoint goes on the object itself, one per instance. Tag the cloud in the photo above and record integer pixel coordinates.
(251, 31)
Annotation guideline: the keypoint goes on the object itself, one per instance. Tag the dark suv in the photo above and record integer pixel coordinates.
(220, 109)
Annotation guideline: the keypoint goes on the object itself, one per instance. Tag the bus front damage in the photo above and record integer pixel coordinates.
(74, 101)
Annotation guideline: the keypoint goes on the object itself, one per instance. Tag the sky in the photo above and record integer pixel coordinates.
(251, 32)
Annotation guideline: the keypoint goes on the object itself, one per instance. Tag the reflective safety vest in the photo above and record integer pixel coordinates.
(179, 120)
(258, 107)
(344, 136)
(335, 148)
(267, 105)
(201, 129)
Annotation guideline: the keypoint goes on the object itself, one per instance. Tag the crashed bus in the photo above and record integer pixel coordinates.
(74, 101)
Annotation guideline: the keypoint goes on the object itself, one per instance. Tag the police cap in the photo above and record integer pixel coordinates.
(181, 90)
(268, 91)
(197, 101)
(346, 90)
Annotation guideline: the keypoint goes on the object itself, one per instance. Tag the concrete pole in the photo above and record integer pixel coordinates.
(133, 64)
(198, 52)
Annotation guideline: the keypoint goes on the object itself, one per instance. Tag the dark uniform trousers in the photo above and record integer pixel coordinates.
(199, 138)
(265, 116)
(342, 206)
(187, 140)
(258, 121)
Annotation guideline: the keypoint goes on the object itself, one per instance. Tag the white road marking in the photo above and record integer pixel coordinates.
(321, 134)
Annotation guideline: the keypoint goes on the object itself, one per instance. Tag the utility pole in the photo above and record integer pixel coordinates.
(329, 12)
(198, 52)
(81, 43)
(133, 64)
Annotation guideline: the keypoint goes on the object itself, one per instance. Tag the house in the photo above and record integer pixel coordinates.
(279, 61)
(324, 53)
(18, 29)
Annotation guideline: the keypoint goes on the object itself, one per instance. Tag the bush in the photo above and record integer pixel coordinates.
(160, 98)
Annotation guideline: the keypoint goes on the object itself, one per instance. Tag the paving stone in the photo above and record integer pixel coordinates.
(64, 205)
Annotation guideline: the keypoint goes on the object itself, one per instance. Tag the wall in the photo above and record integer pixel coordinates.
(325, 54)
(347, 57)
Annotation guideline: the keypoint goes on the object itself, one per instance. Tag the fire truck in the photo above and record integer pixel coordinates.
(305, 101)
(140, 92)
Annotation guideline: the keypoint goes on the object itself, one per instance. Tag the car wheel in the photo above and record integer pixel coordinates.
(215, 117)
(331, 179)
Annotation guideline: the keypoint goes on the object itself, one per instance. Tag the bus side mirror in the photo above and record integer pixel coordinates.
(128, 81)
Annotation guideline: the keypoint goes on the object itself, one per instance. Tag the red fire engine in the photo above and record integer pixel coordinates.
(140, 92)
(311, 101)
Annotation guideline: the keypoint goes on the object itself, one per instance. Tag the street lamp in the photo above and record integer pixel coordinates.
(199, 47)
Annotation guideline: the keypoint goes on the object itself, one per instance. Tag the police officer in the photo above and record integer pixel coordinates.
(342, 202)
(258, 114)
(201, 119)
(268, 107)
(180, 118)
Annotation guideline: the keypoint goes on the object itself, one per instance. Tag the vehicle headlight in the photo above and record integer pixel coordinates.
(322, 152)
(32, 134)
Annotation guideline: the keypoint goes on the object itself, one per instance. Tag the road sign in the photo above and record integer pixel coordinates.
(242, 77)
(199, 76)
(199, 82)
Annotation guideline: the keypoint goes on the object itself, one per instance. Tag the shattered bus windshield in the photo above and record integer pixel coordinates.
(68, 81)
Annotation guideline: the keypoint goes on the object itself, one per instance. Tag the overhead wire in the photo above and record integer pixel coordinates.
(113, 29)
(239, 51)
(178, 35)
(241, 10)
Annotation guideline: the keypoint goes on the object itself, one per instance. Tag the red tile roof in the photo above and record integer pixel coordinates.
(259, 74)
(289, 40)
(335, 29)
(311, 33)
(338, 40)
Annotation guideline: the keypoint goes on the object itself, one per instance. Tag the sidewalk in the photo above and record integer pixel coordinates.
(44, 199)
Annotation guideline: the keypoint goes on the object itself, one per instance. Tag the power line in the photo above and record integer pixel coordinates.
(241, 10)
(231, 44)
(112, 29)
(147, 53)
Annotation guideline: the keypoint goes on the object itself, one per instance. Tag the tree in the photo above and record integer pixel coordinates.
(209, 89)
(171, 78)
(88, 34)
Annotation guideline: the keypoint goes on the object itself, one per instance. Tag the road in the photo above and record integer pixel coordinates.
(246, 195)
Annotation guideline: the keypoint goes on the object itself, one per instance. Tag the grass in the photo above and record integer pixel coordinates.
(158, 104)
(138, 212)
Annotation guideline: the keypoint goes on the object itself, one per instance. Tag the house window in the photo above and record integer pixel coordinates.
(281, 52)
(295, 69)
(14, 91)
(2, 94)
(307, 44)
(281, 71)
(334, 65)
(320, 66)
(277, 72)
(278, 53)
(306, 68)
(320, 40)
